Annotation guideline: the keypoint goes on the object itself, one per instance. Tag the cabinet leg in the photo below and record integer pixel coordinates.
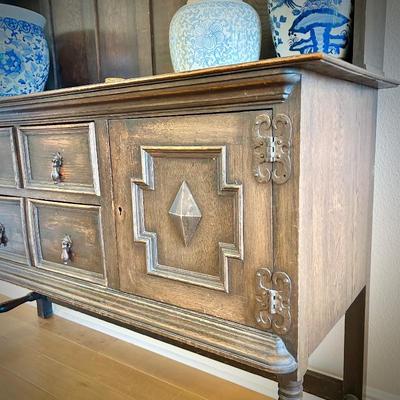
(289, 389)
(355, 347)
(44, 307)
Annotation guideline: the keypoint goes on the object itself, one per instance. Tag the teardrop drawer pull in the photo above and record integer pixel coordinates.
(57, 162)
(66, 252)
(3, 236)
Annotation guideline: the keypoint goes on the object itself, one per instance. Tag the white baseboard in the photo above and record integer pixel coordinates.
(223, 371)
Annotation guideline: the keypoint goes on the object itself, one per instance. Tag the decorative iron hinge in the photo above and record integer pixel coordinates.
(273, 292)
(272, 141)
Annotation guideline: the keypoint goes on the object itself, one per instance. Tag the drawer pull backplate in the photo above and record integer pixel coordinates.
(57, 162)
(66, 246)
(3, 237)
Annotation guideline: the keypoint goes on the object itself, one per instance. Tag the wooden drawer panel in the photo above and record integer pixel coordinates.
(9, 175)
(67, 238)
(13, 228)
(60, 158)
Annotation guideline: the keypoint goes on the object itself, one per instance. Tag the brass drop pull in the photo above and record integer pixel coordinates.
(57, 162)
(66, 253)
(3, 236)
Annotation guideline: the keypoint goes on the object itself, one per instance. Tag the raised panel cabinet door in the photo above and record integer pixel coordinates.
(9, 175)
(13, 238)
(60, 158)
(67, 239)
(193, 223)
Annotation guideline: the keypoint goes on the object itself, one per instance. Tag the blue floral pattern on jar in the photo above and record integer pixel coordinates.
(210, 33)
(310, 26)
(24, 57)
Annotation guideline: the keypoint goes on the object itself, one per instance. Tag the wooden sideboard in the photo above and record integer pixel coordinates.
(226, 210)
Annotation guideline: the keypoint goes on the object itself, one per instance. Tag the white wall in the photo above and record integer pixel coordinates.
(384, 341)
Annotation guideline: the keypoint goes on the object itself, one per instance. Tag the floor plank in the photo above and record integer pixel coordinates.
(91, 364)
(15, 388)
(56, 357)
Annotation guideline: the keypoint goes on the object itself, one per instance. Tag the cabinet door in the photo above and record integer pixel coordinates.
(193, 224)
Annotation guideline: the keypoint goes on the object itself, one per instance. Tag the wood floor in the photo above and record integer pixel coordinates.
(57, 359)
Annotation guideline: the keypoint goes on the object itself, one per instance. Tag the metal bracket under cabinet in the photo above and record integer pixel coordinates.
(271, 149)
(273, 290)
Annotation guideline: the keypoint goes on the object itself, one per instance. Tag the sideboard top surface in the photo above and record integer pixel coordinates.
(317, 62)
(222, 88)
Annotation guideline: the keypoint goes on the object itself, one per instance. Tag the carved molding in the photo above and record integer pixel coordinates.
(141, 235)
(264, 351)
(150, 96)
(273, 291)
(272, 140)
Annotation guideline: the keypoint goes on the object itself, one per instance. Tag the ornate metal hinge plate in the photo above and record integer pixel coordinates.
(272, 141)
(273, 292)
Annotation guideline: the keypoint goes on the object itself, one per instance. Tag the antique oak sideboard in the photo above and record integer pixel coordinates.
(227, 210)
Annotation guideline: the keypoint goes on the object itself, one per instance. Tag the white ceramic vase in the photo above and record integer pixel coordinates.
(209, 33)
(24, 55)
(311, 26)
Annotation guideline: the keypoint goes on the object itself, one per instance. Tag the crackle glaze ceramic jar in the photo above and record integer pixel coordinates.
(311, 26)
(24, 55)
(209, 33)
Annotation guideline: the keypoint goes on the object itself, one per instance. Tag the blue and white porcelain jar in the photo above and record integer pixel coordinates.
(311, 26)
(210, 33)
(24, 55)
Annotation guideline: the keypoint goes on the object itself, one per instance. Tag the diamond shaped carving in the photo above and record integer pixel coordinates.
(185, 213)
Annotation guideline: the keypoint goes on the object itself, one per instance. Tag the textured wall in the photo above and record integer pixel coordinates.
(384, 330)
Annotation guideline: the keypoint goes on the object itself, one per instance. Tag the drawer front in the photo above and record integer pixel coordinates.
(9, 175)
(60, 158)
(13, 238)
(67, 238)
(195, 223)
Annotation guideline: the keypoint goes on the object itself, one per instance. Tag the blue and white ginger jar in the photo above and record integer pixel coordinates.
(311, 26)
(210, 33)
(24, 55)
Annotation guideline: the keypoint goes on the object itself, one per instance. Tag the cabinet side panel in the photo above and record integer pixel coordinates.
(335, 200)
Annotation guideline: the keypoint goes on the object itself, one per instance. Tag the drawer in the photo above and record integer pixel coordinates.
(67, 238)
(60, 158)
(9, 175)
(14, 245)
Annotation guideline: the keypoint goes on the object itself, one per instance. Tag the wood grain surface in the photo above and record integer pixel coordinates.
(335, 200)
(219, 213)
(76, 144)
(50, 222)
(12, 217)
(9, 170)
(48, 359)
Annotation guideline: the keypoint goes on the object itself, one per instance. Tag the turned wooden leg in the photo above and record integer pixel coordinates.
(44, 307)
(355, 347)
(289, 389)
